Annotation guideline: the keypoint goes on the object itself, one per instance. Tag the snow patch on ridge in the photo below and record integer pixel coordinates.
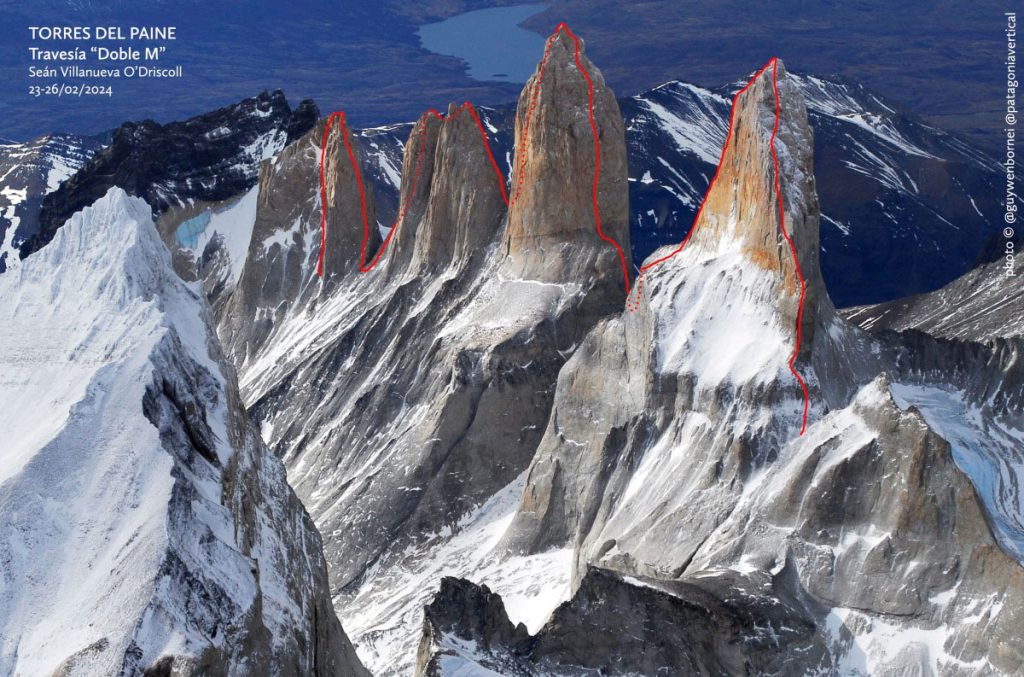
(719, 320)
(703, 135)
(987, 449)
(55, 347)
(120, 542)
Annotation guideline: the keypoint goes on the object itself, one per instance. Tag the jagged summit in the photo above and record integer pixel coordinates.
(467, 204)
(418, 160)
(716, 328)
(767, 155)
(471, 324)
(669, 422)
(279, 276)
(761, 309)
(553, 228)
(453, 197)
(350, 237)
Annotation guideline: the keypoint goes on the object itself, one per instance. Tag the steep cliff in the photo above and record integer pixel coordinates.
(412, 394)
(676, 460)
(568, 130)
(705, 359)
(149, 530)
(279, 277)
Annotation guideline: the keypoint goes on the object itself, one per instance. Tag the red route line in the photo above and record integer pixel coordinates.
(630, 305)
(634, 305)
(535, 90)
(593, 128)
(718, 168)
(403, 208)
(792, 246)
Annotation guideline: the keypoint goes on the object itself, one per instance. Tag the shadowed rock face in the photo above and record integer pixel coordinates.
(414, 191)
(457, 207)
(618, 625)
(552, 232)
(673, 453)
(466, 206)
(210, 157)
(877, 525)
(862, 549)
(476, 614)
(280, 274)
(724, 379)
(151, 531)
(414, 392)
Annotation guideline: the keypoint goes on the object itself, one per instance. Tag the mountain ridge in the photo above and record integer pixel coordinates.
(171, 539)
(907, 184)
(488, 408)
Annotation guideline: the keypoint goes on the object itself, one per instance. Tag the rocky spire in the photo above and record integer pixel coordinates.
(452, 194)
(552, 231)
(466, 204)
(345, 231)
(280, 270)
(417, 179)
(742, 208)
(717, 328)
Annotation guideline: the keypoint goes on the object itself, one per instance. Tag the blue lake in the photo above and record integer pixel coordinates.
(490, 41)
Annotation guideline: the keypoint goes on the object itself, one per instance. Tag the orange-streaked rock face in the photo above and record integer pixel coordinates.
(552, 229)
(742, 210)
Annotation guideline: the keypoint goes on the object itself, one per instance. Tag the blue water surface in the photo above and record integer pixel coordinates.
(490, 41)
(189, 231)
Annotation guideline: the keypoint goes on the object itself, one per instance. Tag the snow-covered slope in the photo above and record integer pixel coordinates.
(986, 303)
(212, 244)
(146, 525)
(408, 400)
(959, 364)
(860, 550)
(884, 538)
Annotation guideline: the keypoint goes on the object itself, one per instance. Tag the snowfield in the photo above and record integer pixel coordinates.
(126, 464)
(96, 519)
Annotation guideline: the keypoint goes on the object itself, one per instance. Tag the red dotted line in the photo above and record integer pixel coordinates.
(562, 27)
(634, 305)
(534, 92)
